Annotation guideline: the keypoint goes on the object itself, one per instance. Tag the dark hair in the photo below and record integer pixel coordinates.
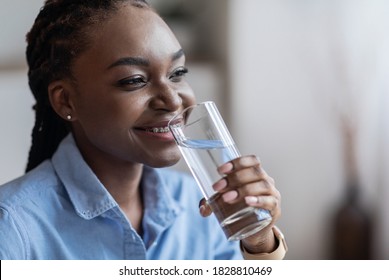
(59, 34)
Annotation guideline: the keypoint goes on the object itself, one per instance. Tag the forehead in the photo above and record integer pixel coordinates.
(132, 31)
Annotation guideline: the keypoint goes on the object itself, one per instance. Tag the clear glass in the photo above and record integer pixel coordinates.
(205, 144)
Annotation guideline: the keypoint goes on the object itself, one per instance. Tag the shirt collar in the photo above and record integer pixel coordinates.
(89, 197)
(157, 195)
(161, 209)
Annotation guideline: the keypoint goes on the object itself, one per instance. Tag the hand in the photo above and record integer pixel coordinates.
(246, 180)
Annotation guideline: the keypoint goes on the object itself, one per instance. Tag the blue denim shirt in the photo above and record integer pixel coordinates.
(60, 210)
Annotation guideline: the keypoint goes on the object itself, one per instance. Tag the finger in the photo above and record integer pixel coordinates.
(239, 163)
(241, 171)
(255, 189)
(247, 182)
(204, 208)
(242, 177)
(271, 203)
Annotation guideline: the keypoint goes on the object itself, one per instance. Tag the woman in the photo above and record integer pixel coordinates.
(107, 76)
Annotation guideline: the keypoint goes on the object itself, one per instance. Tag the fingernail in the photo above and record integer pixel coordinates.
(202, 209)
(219, 185)
(251, 200)
(225, 168)
(229, 196)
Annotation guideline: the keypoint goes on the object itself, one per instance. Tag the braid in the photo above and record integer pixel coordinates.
(59, 34)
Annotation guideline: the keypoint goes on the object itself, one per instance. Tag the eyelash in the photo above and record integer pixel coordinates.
(134, 81)
(139, 81)
(179, 73)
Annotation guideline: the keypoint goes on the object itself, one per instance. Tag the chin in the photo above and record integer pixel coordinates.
(165, 161)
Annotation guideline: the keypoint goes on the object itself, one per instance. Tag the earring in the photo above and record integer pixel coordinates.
(69, 117)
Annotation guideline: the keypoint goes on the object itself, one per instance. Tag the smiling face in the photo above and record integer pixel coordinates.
(127, 86)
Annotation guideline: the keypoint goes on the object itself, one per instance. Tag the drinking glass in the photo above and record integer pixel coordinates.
(205, 144)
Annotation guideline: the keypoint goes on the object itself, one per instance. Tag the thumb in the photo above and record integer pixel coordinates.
(205, 209)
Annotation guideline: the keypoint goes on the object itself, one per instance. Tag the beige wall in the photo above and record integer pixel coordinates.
(16, 120)
(16, 115)
(293, 66)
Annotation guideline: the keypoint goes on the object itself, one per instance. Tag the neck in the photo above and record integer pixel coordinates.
(120, 177)
(123, 182)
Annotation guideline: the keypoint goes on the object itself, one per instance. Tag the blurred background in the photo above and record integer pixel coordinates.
(303, 84)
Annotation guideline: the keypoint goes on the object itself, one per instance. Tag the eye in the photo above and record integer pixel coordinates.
(132, 83)
(178, 74)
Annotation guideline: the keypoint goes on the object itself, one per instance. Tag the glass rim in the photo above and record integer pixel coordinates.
(182, 113)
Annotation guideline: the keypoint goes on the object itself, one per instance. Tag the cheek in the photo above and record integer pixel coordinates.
(94, 115)
(187, 95)
(106, 126)
(103, 114)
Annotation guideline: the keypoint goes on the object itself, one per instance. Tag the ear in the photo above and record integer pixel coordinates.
(60, 100)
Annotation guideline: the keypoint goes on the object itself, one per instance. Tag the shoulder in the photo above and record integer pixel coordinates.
(28, 185)
(21, 201)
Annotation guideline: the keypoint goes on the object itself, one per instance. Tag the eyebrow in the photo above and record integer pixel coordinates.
(178, 54)
(130, 61)
(142, 61)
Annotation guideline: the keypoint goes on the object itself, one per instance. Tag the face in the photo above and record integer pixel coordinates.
(129, 84)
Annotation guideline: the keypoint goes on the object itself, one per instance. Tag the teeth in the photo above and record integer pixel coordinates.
(160, 129)
(163, 129)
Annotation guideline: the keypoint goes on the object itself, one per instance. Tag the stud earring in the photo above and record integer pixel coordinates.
(69, 117)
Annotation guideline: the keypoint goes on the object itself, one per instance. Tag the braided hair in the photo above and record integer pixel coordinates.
(58, 36)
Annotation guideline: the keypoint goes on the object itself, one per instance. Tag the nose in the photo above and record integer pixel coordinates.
(166, 98)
